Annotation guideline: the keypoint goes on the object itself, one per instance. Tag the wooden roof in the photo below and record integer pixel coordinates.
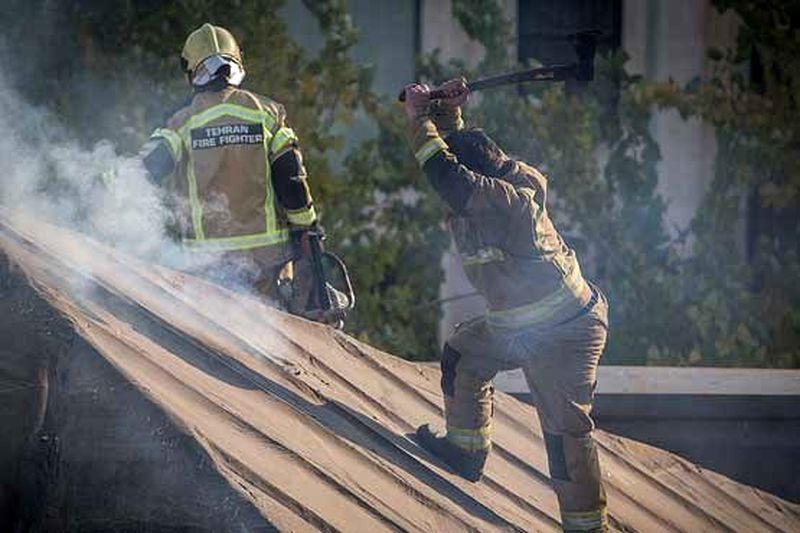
(311, 425)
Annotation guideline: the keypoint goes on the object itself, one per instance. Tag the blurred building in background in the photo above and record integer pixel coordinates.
(665, 39)
(739, 422)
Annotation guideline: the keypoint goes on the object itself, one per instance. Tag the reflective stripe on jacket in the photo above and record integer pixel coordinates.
(510, 250)
(223, 145)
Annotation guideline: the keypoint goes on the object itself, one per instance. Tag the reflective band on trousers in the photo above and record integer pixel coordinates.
(471, 440)
(243, 242)
(273, 234)
(430, 149)
(562, 300)
(584, 521)
(484, 256)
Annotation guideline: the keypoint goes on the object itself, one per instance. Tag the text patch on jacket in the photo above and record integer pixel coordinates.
(226, 135)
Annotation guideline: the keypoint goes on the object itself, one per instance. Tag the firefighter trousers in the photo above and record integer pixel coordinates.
(560, 366)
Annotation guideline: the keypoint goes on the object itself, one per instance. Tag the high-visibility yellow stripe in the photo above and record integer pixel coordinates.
(238, 111)
(430, 149)
(584, 521)
(194, 203)
(194, 196)
(302, 217)
(270, 217)
(472, 440)
(173, 141)
(572, 287)
(262, 117)
(243, 242)
(282, 138)
(484, 430)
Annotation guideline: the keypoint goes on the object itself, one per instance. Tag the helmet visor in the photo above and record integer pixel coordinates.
(214, 67)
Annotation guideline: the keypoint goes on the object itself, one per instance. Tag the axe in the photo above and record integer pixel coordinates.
(582, 71)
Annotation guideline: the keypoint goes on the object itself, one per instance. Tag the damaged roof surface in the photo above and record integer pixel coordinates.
(311, 426)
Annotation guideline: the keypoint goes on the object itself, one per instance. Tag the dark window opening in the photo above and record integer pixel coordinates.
(777, 227)
(545, 27)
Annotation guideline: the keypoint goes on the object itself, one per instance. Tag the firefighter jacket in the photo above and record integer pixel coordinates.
(234, 172)
(510, 250)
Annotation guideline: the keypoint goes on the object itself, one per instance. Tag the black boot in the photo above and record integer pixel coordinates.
(468, 465)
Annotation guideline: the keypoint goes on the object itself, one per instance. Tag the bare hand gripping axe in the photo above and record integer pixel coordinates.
(582, 71)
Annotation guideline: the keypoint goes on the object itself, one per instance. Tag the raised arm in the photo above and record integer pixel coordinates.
(465, 191)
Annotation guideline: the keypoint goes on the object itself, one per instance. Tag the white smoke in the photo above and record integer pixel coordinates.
(97, 191)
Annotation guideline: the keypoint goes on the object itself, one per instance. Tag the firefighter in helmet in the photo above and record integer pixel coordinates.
(235, 176)
(543, 317)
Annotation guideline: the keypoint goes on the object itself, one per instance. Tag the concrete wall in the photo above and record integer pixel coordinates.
(742, 423)
(751, 439)
(668, 39)
(439, 30)
(387, 42)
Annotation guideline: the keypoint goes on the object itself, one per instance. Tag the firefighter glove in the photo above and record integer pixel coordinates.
(456, 92)
(418, 97)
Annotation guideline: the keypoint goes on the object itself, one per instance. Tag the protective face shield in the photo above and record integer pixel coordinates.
(215, 67)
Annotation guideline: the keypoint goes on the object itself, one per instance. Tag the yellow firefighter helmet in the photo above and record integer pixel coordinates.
(207, 41)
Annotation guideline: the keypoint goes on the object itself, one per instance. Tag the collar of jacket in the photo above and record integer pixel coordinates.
(216, 85)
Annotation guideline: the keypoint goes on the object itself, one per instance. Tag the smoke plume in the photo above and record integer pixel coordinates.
(94, 190)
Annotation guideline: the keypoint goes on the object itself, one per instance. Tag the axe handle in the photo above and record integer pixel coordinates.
(320, 283)
(552, 73)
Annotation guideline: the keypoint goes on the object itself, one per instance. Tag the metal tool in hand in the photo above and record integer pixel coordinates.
(333, 302)
(581, 71)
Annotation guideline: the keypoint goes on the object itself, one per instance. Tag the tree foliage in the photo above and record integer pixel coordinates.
(121, 78)
(723, 293)
(746, 251)
(700, 298)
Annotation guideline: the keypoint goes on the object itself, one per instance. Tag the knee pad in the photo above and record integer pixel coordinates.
(571, 457)
(450, 358)
(556, 458)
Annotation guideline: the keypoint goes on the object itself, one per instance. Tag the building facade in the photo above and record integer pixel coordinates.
(665, 39)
